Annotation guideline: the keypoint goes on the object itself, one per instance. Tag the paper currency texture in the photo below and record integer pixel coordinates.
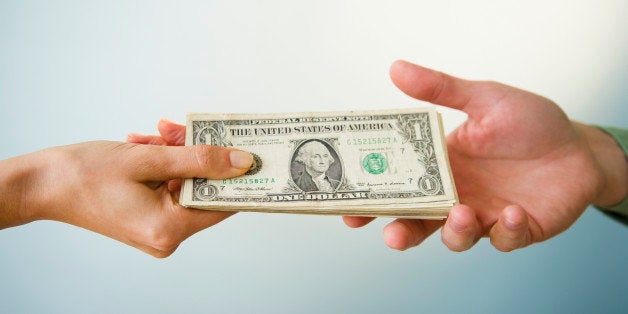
(365, 163)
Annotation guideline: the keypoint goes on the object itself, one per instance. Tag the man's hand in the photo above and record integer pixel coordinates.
(120, 190)
(524, 172)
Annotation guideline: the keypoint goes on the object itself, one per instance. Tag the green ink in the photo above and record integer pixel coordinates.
(371, 141)
(375, 163)
(249, 181)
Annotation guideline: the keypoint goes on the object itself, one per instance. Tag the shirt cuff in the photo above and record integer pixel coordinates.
(619, 211)
(618, 134)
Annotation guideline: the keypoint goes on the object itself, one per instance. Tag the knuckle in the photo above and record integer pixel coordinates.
(505, 249)
(161, 239)
(205, 155)
(504, 245)
(440, 87)
(161, 254)
(455, 246)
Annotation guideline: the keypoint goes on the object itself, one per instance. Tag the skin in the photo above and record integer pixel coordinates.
(514, 161)
(128, 192)
(524, 172)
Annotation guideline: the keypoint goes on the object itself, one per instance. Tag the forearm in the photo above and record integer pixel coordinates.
(16, 176)
(613, 166)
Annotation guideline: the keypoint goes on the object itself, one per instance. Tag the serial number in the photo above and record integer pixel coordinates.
(371, 140)
(248, 181)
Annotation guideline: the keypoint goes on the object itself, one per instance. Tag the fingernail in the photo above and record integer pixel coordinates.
(240, 159)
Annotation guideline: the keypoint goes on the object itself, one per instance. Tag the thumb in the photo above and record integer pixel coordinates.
(432, 86)
(161, 163)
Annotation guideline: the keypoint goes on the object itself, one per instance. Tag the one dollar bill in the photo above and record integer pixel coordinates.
(389, 163)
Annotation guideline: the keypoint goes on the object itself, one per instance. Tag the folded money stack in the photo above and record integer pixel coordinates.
(389, 163)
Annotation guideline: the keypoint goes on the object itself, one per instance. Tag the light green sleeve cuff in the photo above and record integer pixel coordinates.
(620, 135)
(619, 211)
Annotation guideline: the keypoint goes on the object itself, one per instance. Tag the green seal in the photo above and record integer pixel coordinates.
(374, 163)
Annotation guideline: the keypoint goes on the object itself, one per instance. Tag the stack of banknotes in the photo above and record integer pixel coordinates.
(390, 163)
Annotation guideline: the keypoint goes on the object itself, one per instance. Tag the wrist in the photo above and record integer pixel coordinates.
(16, 177)
(612, 163)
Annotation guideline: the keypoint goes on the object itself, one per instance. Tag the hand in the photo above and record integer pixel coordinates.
(524, 172)
(116, 189)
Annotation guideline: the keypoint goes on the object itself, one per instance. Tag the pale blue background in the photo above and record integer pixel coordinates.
(74, 71)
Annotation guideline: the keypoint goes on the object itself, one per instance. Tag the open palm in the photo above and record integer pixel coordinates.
(524, 172)
(519, 149)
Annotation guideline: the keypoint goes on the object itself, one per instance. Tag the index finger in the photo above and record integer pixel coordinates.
(162, 163)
